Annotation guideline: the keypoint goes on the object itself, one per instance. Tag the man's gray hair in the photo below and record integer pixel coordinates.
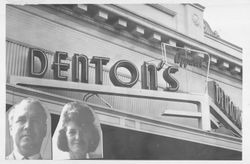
(22, 103)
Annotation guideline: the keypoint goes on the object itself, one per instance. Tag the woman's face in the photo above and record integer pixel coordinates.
(78, 138)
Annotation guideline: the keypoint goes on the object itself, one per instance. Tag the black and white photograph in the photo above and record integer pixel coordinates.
(138, 81)
(28, 129)
(78, 135)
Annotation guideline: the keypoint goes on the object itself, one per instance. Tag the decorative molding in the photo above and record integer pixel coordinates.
(146, 23)
(138, 30)
(223, 65)
(208, 30)
(168, 32)
(101, 16)
(155, 37)
(165, 31)
(80, 8)
(198, 6)
(163, 9)
(213, 60)
(221, 41)
(235, 70)
(196, 20)
(121, 23)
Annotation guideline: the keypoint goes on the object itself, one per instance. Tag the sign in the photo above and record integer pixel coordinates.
(80, 63)
(185, 57)
(225, 104)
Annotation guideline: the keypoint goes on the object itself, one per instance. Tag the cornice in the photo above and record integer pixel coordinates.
(198, 6)
(224, 42)
(155, 34)
(163, 9)
(167, 32)
(171, 34)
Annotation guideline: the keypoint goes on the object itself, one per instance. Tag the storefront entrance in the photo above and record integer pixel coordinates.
(120, 143)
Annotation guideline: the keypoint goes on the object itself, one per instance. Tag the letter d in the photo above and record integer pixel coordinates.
(31, 62)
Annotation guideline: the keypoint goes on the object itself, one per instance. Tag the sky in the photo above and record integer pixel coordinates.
(231, 21)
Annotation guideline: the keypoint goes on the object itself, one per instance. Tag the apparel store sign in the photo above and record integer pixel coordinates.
(225, 104)
(148, 70)
(185, 57)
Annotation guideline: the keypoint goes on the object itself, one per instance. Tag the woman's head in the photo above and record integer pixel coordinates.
(78, 134)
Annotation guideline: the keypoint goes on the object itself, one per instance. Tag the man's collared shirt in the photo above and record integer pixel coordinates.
(18, 156)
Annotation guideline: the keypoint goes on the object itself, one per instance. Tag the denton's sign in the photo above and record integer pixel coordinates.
(225, 104)
(80, 70)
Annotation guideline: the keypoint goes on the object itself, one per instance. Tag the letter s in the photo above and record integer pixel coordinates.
(173, 83)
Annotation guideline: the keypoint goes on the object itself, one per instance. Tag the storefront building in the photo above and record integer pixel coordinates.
(144, 70)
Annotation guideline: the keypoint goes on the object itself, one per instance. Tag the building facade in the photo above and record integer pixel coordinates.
(163, 84)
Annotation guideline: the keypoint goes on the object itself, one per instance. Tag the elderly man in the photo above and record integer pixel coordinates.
(27, 125)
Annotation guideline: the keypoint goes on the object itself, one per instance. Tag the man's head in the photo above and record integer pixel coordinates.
(27, 123)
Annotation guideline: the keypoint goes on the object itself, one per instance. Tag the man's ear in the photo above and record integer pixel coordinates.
(44, 130)
(10, 130)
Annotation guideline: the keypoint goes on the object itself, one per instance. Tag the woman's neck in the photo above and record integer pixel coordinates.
(76, 156)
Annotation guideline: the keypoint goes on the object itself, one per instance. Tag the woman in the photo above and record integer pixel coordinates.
(78, 133)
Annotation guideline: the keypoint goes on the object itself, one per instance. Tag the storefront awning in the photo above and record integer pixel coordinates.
(126, 120)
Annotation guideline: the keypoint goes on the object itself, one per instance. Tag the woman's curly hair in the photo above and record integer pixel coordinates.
(81, 114)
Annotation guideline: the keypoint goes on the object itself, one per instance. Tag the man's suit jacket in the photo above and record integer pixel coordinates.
(11, 156)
